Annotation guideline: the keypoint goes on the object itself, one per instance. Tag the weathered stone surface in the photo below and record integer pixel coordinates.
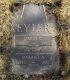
(34, 42)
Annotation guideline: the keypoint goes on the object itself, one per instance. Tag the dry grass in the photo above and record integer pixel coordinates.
(64, 18)
(6, 18)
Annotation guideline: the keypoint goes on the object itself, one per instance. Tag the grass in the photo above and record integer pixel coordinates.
(6, 17)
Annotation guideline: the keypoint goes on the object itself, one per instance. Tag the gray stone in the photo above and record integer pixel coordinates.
(34, 46)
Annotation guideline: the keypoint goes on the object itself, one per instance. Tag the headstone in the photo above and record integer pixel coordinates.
(34, 46)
